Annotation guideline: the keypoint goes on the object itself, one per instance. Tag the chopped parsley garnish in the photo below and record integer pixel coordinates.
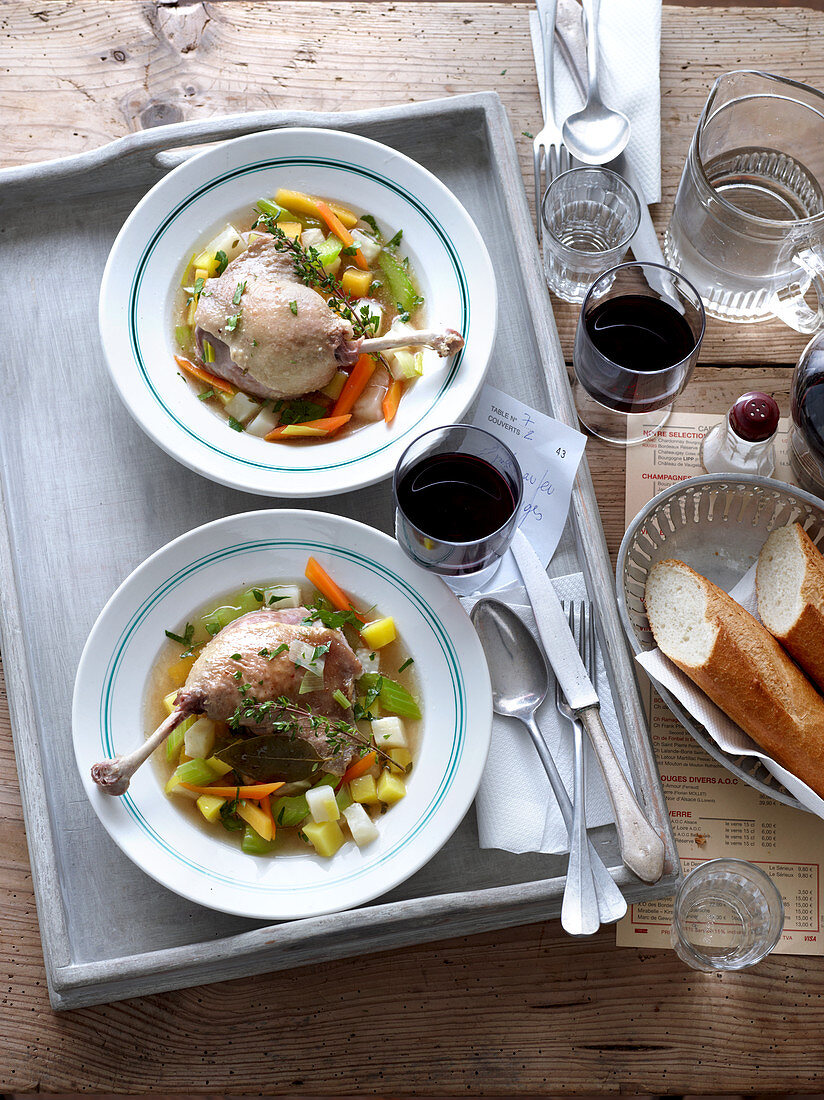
(232, 322)
(185, 640)
(396, 240)
(331, 618)
(206, 395)
(258, 594)
(222, 261)
(409, 661)
(320, 650)
(294, 307)
(369, 219)
(235, 425)
(349, 250)
(276, 599)
(235, 657)
(296, 412)
(238, 294)
(271, 654)
(526, 133)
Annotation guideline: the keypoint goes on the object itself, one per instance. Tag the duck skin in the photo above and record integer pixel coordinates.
(256, 646)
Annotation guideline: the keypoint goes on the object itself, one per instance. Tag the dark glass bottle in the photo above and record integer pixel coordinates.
(807, 435)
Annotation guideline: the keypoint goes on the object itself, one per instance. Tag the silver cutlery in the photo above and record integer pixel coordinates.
(519, 686)
(549, 154)
(580, 626)
(642, 850)
(597, 133)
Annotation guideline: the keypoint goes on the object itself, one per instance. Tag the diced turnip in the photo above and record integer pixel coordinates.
(322, 804)
(199, 739)
(369, 247)
(242, 408)
(282, 595)
(361, 825)
(389, 733)
(311, 238)
(266, 421)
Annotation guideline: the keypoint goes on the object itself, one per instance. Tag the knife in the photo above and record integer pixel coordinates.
(572, 44)
(642, 850)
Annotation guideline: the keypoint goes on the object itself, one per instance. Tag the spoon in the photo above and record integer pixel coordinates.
(519, 686)
(595, 134)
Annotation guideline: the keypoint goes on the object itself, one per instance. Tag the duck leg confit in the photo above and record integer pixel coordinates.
(257, 646)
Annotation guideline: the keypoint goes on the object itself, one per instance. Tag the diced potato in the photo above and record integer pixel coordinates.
(333, 266)
(209, 805)
(363, 789)
(291, 229)
(282, 595)
(322, 804)
(333, 388)
(326, 837)
(361, 825)
(242, 408)
(180, 670)
(401, 759)
(199, 739)
(355, 282)
(379, 633)
(389, 733)
(169, 701)
(391, 788)
(254, 816)
(266, 421)
(300, 203)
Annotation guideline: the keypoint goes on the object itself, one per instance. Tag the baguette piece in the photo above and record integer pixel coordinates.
(740, 666)
(790, 587)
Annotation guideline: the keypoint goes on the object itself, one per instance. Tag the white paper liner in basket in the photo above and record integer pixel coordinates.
(726, 734)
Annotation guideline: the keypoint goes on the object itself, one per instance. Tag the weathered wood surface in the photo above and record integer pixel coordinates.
(523, 1012)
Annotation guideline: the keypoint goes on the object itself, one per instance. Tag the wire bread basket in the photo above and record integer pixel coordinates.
(717, 524)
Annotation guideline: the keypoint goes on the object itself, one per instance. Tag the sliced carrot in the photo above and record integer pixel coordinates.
(391, 400)
(355, 385)
(266, 806)
(256, 792)
(360, 767)
(326, 426)
(203, 375)
(317, 575)
(340, 231)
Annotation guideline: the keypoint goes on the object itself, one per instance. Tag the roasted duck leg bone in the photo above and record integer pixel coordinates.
(444, 343)
(113, 776)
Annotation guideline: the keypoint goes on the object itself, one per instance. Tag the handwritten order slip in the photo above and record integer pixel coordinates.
(713, 812)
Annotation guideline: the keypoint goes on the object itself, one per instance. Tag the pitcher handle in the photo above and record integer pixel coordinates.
(789, 303)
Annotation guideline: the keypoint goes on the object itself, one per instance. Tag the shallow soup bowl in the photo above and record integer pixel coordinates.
(206, 864)
(193, 202)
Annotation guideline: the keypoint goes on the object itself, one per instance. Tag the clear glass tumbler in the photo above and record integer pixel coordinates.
(747, 227)
(728, 914)
(638, 338)
(458, 493)
(589, 217)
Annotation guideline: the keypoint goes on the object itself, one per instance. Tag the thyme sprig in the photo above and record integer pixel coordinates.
(311, 272)
(286, 717)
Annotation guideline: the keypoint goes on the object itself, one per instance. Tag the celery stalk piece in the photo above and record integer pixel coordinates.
(394, 698)
(253, 844)
(176, 737)
(400, 285)
(266, 206)
(329, 250)
(196, 772)
(183, 335)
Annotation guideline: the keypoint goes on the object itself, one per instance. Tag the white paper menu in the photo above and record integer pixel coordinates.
(714, 813)
(548, 453)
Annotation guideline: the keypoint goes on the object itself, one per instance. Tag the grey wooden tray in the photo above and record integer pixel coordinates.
(87, 497)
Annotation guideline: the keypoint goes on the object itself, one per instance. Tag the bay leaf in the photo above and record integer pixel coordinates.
(272, 756)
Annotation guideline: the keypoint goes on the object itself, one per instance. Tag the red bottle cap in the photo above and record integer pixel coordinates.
(754, 417)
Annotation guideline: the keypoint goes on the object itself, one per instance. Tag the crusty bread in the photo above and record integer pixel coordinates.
(790, 586)
(742, 668)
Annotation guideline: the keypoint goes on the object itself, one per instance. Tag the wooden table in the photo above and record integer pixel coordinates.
(528, 1011)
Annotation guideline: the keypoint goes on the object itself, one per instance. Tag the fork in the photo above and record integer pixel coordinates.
(549, 153)
(583, 859)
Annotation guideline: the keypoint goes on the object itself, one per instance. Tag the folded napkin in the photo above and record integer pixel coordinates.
(515, 806)
(726, 734)
(630, 46)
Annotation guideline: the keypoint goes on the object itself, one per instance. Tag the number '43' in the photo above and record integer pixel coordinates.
(561, 453)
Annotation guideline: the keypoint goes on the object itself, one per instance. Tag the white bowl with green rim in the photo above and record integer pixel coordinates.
(206, 865)
(189, 205)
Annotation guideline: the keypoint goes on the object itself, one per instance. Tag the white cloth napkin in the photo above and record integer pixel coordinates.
(726, 734)
(630, 47)
(515, 806)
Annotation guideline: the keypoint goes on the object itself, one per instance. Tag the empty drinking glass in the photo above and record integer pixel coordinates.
(589, 216)
(728, 914)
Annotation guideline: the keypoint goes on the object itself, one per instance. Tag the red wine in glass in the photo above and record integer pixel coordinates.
(807, 437)
(457, 496)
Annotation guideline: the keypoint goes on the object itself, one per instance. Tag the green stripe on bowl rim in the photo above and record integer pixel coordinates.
(267, 165)
(115, 665)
